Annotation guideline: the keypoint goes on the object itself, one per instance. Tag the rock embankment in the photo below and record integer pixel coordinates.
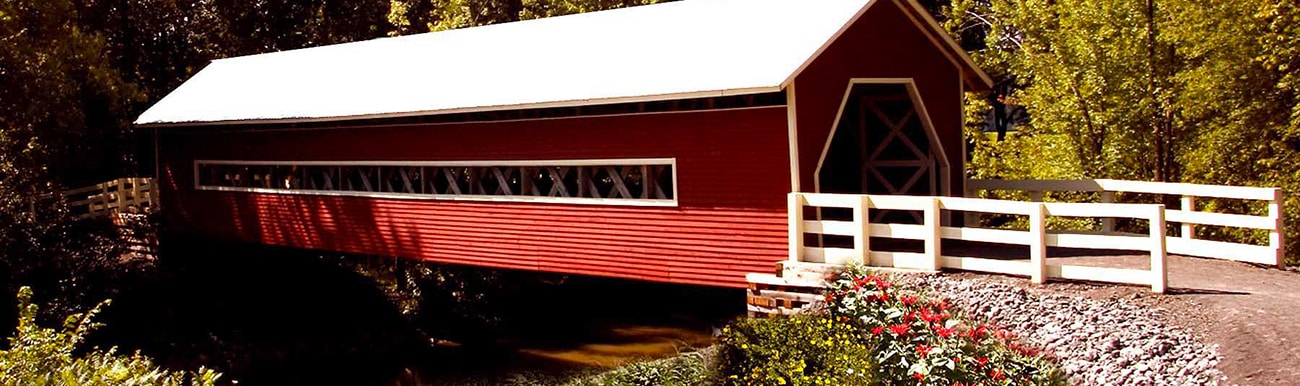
(1096, 341)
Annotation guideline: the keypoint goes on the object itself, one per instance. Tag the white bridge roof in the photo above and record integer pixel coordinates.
(686, 49)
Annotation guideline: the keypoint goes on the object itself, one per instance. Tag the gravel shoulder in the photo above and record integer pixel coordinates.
(1242, 320)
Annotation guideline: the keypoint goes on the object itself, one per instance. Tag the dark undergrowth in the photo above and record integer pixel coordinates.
(276, 316)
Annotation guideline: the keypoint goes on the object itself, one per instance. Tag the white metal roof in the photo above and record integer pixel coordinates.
(692, 48)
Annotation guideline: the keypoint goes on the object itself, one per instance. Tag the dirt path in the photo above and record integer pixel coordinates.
(1252, 313)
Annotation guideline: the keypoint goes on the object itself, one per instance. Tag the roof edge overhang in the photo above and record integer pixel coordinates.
(975, 77)
(483, 109)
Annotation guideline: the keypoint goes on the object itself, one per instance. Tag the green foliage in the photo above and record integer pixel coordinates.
(46, 356)
(690, 369)
(1164, 90)
(800, 350)
(916, 340)
(413, 16)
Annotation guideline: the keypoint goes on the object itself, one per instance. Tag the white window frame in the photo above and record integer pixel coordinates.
(670, 162)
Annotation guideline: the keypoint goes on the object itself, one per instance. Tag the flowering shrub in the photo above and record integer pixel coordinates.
(916, 340)
(800, 350)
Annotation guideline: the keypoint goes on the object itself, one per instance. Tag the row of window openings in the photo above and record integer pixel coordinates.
(587, 181)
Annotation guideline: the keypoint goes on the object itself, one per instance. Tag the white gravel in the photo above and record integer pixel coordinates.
(1096, 342)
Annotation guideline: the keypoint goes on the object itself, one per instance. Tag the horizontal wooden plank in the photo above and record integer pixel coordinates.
(1220, 219)
(907, 260)
(1039, 185)
(1006, 267)
(1222, 250)
(827, 227)
(768, 310)
(1185, 189)
(787, 295)
(829, 255)
(828, 200)
(1099, 241)
(986, 235)
(884, 202)
(983, 205)
(1090, 209)
(899, 231)
(1102, 274)
(773, 280)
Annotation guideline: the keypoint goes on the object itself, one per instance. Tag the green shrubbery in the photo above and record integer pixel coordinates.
(46, 356)
(800, 350)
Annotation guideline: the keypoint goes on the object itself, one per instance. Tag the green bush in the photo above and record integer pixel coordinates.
(41, 356)
(800, 350)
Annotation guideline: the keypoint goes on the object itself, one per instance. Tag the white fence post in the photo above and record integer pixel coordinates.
(1038, 244)
(1160, 276)
(796, 226)
(1107, 223)
(121, 194)
(1188, 204)
(932, 234)
(861, 222)
(1277, 236)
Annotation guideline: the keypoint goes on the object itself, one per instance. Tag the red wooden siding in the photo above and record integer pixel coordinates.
(732, 169)
(882, 44)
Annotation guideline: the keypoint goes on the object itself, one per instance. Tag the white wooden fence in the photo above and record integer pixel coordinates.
(1187, 216)
(131, 194)
(932, 232)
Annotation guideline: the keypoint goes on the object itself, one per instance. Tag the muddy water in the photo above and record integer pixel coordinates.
(545, 360)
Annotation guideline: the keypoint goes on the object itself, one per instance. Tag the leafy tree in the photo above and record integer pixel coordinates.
(46, 356)
(1164, 90)
(1095, 71)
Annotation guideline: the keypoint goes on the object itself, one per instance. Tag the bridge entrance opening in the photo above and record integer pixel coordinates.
(883, 143)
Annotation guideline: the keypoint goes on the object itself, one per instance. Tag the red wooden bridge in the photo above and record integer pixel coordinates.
(605, 144)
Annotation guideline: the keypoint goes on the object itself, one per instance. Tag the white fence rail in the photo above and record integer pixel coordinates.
(932, 233)
(132, 194)
(1187, 215)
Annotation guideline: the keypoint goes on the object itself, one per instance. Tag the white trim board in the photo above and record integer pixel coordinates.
(671, 162)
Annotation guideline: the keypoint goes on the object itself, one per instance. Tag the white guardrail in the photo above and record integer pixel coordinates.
(1187, 216)
(931, 232)
(113, 196)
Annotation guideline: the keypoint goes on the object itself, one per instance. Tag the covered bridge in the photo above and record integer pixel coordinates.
(655, 142)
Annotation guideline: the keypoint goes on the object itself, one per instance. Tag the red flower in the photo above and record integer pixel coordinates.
(919, 377)
(944, 331)
(932, 317)
(899, 329)
(908, 300)
(997, 375)
(981, 361)
(909, 317)
(923, 350)
(877, 330)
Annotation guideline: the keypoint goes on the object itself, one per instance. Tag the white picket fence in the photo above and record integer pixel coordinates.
(1187, 216)
(932, 231)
